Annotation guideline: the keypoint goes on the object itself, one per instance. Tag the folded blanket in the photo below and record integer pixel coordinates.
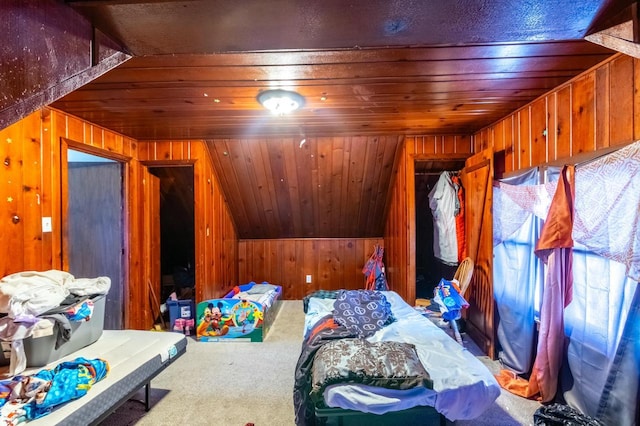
(325, 330)
(389, 364)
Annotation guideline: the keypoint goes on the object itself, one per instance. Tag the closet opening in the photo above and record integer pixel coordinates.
(177, 231)
(430, 268)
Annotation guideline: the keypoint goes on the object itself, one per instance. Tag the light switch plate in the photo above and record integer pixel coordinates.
(46, 224)
(308, 279)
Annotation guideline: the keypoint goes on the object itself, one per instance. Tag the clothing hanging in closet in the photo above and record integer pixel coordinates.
(459, 214)
(445, 207)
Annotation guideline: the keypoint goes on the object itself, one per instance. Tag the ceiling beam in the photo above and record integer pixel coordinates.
(51, 51)
(622, 37)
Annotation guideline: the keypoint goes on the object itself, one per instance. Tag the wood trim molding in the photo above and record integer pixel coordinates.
(168, 163)
(88, 149)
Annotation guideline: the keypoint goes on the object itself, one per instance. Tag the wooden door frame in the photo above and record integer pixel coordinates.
(123, 160)
(411, 207)
(148, 244)
(486, 345)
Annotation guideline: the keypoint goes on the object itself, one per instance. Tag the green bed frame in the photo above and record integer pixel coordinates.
(421, 415)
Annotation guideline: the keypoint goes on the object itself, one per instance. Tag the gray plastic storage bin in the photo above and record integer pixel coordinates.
(41, 351)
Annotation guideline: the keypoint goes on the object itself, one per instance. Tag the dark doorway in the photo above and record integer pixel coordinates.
(95, 240)
(429, 269)
(177, 231)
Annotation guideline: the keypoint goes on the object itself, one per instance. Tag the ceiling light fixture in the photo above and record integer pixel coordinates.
(280, 102)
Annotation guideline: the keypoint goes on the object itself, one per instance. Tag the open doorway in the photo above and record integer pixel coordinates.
(177, 231)
(429, 268)
(94, 226)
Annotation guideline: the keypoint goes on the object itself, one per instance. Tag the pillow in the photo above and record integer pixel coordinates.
(392, 365)
(321, 294)
(261, 288)
(320, 306)
(362, 312)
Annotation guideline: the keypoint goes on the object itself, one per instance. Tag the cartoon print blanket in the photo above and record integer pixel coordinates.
(24, 398)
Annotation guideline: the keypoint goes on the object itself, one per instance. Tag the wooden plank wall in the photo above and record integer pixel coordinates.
(333, 263)
(400, 226)
(31, 187)
(596, 110)
(399, 220)
(216, 237)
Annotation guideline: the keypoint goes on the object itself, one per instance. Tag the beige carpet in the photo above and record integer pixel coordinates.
(232, 384)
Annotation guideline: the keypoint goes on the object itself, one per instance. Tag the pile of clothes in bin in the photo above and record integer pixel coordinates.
(35, 304)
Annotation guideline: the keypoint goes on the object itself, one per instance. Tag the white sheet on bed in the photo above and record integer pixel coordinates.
(125, 350)
(463, 387)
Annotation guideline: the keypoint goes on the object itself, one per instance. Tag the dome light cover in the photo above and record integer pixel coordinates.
(280, 102)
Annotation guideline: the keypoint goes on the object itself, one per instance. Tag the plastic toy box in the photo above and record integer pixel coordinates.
(42, 350)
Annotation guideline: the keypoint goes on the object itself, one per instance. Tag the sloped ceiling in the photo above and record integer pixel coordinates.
(370, 71)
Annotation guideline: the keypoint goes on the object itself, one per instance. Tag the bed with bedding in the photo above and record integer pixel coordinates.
(246, 313)
(370, 358)
(134, 358)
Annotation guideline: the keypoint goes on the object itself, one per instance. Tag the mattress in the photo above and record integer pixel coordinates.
(134, 356)
(463, 387)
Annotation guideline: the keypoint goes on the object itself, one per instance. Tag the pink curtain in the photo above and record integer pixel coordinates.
(555, 249)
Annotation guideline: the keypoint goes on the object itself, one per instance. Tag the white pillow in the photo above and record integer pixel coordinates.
(316, 309)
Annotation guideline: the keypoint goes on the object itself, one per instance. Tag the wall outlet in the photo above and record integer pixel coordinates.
(308, 279)
(46, 224)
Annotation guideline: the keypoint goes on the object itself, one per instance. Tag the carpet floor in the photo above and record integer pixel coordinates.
(236, 383)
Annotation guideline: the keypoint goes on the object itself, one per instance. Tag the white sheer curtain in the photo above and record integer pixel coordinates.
(607, 219)
(600, 375)
(594, 322)
(606, 268)
(516, 270)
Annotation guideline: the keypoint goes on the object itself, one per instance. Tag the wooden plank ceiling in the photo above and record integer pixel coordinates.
(370, 72)
(381, 66)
